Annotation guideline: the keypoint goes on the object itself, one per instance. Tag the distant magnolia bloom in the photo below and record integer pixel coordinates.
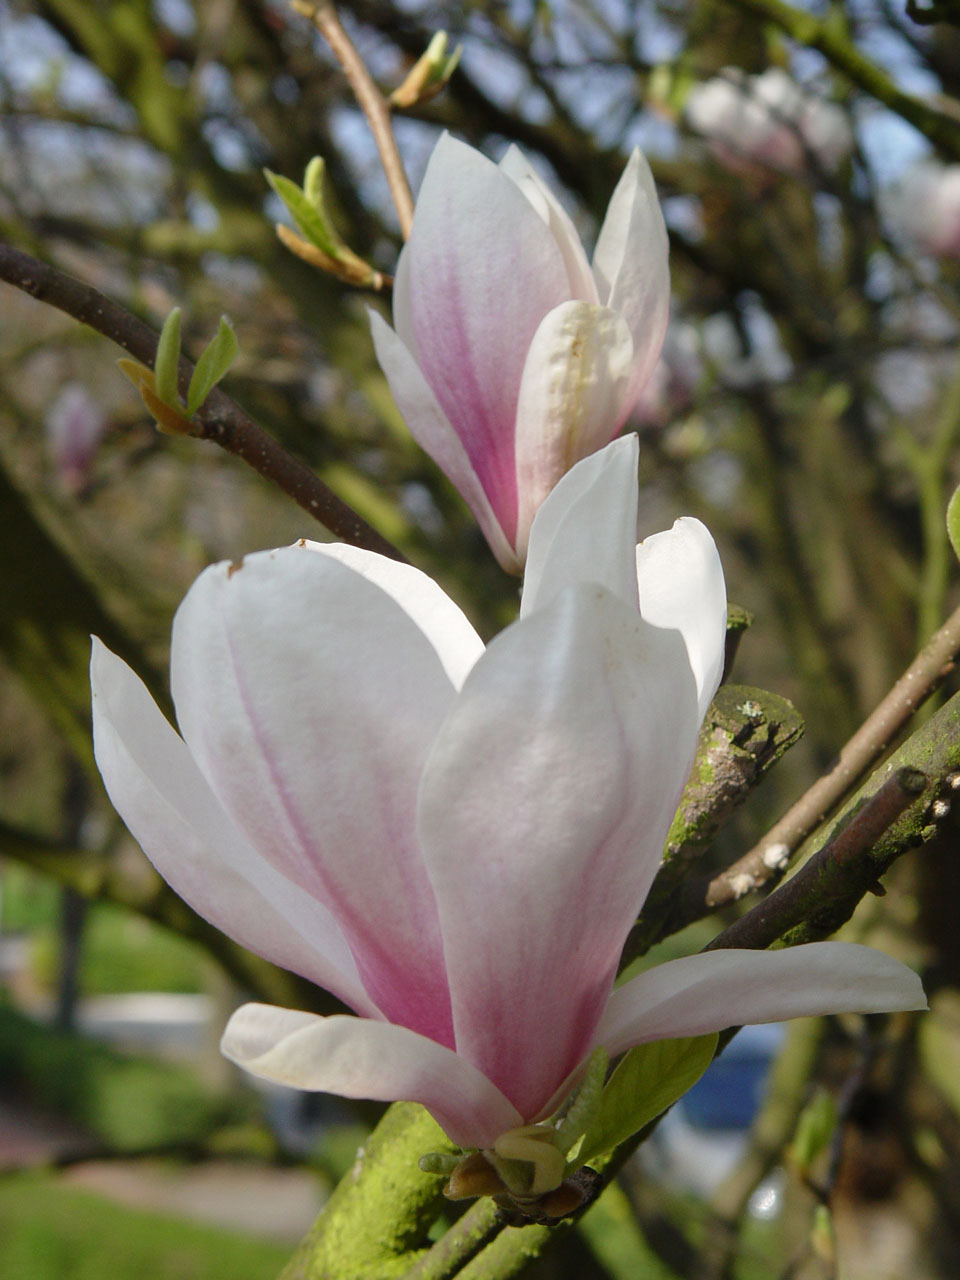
(454, 841)
(670, 388)
(925, 205)
(74, 428)
(768, 120)
(512, 356)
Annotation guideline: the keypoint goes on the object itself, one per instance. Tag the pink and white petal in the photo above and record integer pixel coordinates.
(544, 806)
(402, 318)
(518, 168)
(310, 699)
(680, 580)
(586, 529)
(360, 1058)
(484, 271)
(444, 624)
(432, 430)
(718, 989)
(574, 381)
(631, 268)
(160, 793)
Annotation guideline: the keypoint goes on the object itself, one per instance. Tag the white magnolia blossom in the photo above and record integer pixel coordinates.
(511, 355)
(768, 120)
(454, 840)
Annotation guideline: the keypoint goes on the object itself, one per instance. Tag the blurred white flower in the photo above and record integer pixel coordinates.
(925, 206)
(768, 120)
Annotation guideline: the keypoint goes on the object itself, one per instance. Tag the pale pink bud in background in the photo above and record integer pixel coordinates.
(74, 428)
(512, 356)
(925, 205)
(768, 120)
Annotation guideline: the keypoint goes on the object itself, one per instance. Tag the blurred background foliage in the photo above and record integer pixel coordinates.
(808, 409)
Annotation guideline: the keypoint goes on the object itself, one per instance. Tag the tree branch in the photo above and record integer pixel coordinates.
(745, 733)
(842, 869)
(372, 102)
(219, 419)
(481, 1224)
(769, 858)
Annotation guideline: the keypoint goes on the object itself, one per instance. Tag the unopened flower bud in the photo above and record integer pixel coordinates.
(473, 1176)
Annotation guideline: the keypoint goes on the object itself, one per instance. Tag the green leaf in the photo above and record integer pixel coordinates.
(215, 360)
(310, 222)
(815, 1129)
(582, 1111)
(648, 1080)
(443, 64)
(953, 522)
(168, 360)
(313, 177)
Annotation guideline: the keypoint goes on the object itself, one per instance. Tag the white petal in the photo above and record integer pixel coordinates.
(160, 793)
(309, 698)
(402, 319)
(681, 585)
(575, 380)
(432, 430)
(518, 168)
(443, 623)
(544, 807)
(631, 267)
(586, 529)
(360, 1058)
(719, 989)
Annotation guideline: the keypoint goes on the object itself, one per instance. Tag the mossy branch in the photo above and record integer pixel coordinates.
(769, 858)
(376, 1222)
(847, 861)
(745, 733)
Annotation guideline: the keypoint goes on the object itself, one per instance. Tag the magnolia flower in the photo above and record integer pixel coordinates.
(768, 120)
(926, 206)
(513, 356)
(454, 841)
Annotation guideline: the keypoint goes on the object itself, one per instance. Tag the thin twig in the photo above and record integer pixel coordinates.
(372, 102)
(770, 856)
(481, 1223)
(219, 418)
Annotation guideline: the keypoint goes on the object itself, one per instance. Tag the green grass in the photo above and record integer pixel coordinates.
(54, 1232)
(27, 901)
